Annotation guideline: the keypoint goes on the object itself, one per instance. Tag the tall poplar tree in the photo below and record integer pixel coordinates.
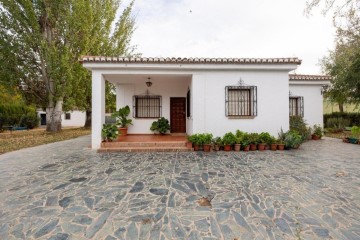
(41, 42)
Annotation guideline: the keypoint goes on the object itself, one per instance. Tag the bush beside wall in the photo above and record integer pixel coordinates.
(18, 115)
(353, 118)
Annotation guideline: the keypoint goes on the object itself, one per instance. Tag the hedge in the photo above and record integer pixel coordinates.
(354, 118)
(18, 115)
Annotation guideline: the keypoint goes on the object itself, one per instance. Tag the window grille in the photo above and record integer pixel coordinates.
(188, 113)
(67, 116)
(147, 106)
(240, 101)
(296, 106)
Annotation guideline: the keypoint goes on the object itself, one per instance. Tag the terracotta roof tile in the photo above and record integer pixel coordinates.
(301, 77)
(191, 60)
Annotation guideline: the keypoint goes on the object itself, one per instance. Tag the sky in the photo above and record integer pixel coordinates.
(233, 29)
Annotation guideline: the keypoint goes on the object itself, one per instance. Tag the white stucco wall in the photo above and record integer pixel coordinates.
(313, 101)
(77, 118)
(209, 102)
(164, 88)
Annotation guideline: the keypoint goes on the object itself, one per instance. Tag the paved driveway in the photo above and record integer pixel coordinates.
(66, 191)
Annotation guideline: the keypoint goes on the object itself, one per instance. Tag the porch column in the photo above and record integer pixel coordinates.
(98, 108)
(198, 103)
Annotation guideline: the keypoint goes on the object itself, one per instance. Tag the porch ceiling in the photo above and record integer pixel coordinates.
(139, 78)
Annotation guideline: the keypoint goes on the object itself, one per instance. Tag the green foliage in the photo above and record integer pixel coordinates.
(265, 137)
(109, 132)
(162, 125)
(207, 137)
(292, 139)
(121, 117)
(196, 139)
(29, 120)
(18, 115)
(317, 130)
(281, 137)
(229, 139)
(298, 124)
(337, 123)
(245, 140)
(217, 141)
(253, 138)
(355, 131)
(354, 118)
(239, 136)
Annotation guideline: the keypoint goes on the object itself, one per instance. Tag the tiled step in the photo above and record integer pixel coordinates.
(171, 144)
(145, 149)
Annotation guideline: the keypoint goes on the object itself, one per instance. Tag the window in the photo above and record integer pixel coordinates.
(240, 101)
(67, 116)
(188, 113)
(296, 105)
(147, 106)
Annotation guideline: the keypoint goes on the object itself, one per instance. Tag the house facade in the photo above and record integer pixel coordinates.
(200, 95)
(68, 119)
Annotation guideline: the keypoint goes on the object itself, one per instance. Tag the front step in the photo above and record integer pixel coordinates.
(145, 149)
(172, 144)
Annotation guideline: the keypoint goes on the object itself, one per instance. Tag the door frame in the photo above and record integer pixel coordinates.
(184, 98)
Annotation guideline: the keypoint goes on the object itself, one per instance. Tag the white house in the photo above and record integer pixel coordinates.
(205, 95)
(68, 119)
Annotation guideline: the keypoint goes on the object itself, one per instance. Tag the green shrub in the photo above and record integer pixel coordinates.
(355, 132)
(265, 137)
(253, 138)
(161, 125)
(298, 124)
(292, 139)
(354, 118)
(109, 132)
(18, 115)
(207, 137)
(217, 141)
(246, 140)
(29, 120)
(337, 123)
(229, 139)
(122, 117)
(317, 130)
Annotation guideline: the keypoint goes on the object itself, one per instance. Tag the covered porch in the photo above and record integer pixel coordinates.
(150, 96)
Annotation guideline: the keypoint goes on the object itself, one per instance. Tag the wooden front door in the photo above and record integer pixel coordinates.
(178, 115)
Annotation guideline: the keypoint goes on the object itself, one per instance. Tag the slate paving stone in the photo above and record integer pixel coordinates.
(81, 194)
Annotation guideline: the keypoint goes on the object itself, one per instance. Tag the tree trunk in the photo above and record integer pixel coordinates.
(341, 107)
(88, 119)
(53, 116)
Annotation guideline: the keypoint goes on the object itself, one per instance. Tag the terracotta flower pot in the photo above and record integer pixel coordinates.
(196, 147)
(227, 148)
(207, 147)
(274, 147)
(246, 148)
(281, 147)
(237, 147)
(261, 146)
(123, 131)
(315, 137)
(217, 148)
(267, 147)
(252, 147)
(189, 145)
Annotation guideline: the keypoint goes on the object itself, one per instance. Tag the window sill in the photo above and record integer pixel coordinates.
(241, 117)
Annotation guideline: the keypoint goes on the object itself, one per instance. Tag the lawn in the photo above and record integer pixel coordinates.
(11, 141)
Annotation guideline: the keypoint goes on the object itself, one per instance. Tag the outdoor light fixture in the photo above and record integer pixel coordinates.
(149, 83)
(324, 89)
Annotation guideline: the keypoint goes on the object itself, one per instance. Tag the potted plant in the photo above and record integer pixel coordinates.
(245, 142)
(264, 138)
(239, 137)
(122, 119)
(161, 126)
(317, 132)
(292, 140)
(229, 139)
(355, 135)
(217, 142)
(194, 139)
(253, 140)
(272, 143)
(207, 137)
(109, 132)
(281, 140)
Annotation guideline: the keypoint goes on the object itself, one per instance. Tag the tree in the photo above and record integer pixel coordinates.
(41, 42)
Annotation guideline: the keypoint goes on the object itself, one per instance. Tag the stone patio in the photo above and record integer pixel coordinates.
(66, 191)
